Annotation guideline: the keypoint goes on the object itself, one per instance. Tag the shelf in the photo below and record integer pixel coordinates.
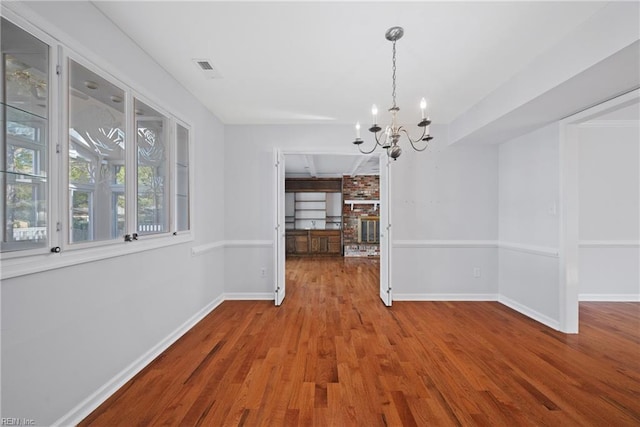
(376, 203)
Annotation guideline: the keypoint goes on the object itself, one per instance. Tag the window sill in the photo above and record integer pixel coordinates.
(22, 266)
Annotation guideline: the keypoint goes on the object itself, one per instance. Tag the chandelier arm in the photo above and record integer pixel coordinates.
(378, 140)
(419, 149)
(424, 132)
(368, 152)
(413, 143)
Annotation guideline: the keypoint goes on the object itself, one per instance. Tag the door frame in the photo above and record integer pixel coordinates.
(570, 210)
(278, 215)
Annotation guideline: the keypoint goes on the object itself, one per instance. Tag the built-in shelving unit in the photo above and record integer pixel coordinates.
(313, 210)
(313, 217)
(310, 210)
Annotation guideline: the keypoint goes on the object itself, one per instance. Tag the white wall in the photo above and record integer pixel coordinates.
(68, 332)
(448, 193)
(529, 224)
(249, 205)
(609, 181)
(444, 211)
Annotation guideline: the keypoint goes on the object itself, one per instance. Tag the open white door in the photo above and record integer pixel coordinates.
(279, 239)
(385, 232)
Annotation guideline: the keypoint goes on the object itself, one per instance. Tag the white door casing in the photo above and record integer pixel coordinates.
(385, 232)
(279, 240)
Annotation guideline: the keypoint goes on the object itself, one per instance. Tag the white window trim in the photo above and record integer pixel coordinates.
(32, 261)
(44, 262)
(190, 177)
(52, 132)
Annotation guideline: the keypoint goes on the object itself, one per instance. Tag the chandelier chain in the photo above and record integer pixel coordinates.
(393, 94)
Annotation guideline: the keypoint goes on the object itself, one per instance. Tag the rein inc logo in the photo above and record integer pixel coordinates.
(8, 421)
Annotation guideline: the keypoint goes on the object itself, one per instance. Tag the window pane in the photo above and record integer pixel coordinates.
(182, 178)
(153, 188)
(96, 156)
(118, 207)
(81, 214)
(23, 144)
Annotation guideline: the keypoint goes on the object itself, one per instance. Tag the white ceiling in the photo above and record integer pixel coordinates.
(327, 62)
(330, 165)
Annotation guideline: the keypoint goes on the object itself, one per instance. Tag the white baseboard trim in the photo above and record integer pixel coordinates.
(609, 297)
(538, 317)
(445, 297)
(249, 296)
(83, 409)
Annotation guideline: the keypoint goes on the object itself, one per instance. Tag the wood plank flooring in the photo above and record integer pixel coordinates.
(333, 355)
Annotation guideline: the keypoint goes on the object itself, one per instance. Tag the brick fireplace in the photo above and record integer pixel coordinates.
(365, 188)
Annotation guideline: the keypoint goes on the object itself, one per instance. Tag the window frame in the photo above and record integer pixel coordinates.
(170, 134)
(32, 248)
(32, 260)
(65, 56)
(190, 178)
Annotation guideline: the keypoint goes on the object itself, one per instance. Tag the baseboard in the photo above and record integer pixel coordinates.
(248, 296)
(445, 297)
(87, 406)
(529, 312)
(609, 297)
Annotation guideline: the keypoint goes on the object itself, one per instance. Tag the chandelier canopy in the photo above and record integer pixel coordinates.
(389, 138)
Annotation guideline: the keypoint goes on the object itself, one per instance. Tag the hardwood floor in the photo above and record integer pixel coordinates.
(332, 354)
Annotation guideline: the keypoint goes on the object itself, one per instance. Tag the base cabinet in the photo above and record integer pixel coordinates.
(314, 242)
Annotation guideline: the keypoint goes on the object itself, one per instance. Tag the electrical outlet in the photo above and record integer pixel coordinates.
(476, 272)
(263, 272)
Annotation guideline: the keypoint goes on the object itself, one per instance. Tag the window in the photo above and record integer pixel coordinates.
(182, 178)
(23, 157)
(120, 165)
(152, 170)
(96, 156)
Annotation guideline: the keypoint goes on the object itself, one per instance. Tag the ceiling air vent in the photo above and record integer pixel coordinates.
(209, 71)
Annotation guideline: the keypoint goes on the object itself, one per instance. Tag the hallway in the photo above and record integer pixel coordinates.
(333, 354)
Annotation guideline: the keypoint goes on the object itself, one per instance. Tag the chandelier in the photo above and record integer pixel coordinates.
(389, 138)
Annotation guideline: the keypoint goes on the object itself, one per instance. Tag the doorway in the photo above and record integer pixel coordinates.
(570, 234)
(325, 165)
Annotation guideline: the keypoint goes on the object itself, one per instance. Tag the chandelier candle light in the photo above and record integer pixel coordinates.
(389, 139)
